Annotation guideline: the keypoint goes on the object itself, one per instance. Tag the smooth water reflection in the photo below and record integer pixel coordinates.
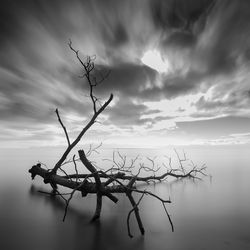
(209, 214)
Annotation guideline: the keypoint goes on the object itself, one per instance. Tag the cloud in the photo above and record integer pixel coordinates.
(206, 44)
(145, 84)
(34, 98)
(178, 85)
(234, 101)
(125, 113)
(128, 79)
(180, 14)
(226, 97)
(225, 39)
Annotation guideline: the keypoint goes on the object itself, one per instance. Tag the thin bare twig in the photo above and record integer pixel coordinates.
(130, 212)
(123, 175)
(64, 128)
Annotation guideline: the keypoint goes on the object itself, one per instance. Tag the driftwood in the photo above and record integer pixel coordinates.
(120, 178)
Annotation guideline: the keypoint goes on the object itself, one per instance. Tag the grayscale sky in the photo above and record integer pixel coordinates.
(179, 71)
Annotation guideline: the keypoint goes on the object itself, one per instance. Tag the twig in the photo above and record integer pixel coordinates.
(121, 174)
(64, 128)
(135, 207)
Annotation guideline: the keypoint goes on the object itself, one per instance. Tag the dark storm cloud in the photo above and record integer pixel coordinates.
(229, 39)
(178, 14)
(177, 19)
(128, 80)
(38, 73)
(177, 85)
(230, 98)
(215, 32)
(126, 113)
(138, 81)
(34, 99)
(234, 101)
(180, 40)
(118, 37)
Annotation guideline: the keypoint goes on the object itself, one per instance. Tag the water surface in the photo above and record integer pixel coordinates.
(209, 214)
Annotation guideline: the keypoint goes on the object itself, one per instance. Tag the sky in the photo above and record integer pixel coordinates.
(179, 71)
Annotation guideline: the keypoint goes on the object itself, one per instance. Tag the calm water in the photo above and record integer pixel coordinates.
(209, 214)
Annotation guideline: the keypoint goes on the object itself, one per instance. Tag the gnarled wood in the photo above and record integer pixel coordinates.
(117, 179)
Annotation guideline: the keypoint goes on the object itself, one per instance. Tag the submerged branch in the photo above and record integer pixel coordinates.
(120, 178)
(98, 182)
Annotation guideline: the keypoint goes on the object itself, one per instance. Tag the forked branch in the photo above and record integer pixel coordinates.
(123, 175)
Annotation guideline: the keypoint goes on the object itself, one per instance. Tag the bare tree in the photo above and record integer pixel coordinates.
(122, 177)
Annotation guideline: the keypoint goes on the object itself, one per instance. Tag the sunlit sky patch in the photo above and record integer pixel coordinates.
(153, 59)
(179, 71)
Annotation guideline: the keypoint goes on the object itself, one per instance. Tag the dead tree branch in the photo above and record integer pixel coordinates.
(123, 175)
(64, 128)
(101, 185)
(88, 67)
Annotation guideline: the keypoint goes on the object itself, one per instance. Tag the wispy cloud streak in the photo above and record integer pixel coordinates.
(206, 44)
